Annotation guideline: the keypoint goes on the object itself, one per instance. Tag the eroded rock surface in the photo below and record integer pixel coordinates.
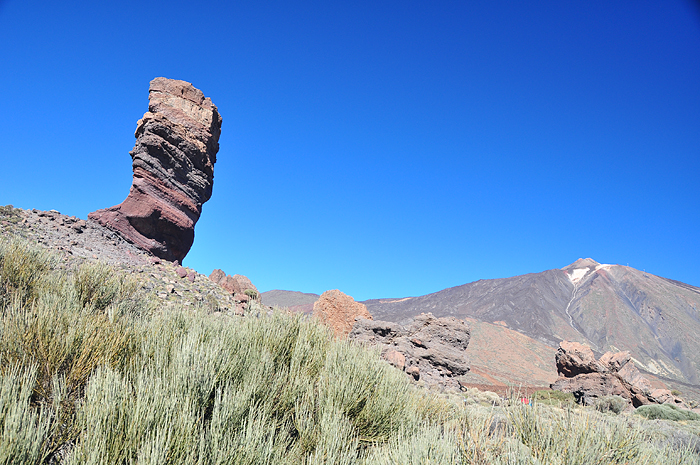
(429, 349)
(239, 286)
(613, 374)
(574, 359)
(339, 311)
(173, 163)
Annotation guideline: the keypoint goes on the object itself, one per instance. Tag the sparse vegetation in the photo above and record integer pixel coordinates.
(554, 398)
(666, 412)
(91, 373)
(613, 404)
(486, 398)
(10, 214)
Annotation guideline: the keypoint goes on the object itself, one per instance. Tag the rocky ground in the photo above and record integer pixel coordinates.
(77, 241)
(614, 373)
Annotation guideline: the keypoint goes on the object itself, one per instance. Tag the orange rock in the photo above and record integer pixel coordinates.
(396, 358)
(339, 311)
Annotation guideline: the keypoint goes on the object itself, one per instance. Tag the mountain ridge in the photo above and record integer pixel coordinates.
(608, 307)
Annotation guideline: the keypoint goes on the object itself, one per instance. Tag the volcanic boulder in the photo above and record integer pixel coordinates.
(613, 374)
(428, 348)
(339, 311)
(173, 162)
(574, 359)
(239, 286)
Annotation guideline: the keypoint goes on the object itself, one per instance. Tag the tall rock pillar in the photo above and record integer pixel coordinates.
(173, 161)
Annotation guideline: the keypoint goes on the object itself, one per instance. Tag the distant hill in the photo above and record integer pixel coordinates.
(295, 301)
(518, 322)
(609, 307)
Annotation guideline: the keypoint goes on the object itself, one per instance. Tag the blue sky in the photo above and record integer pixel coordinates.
(386, 149)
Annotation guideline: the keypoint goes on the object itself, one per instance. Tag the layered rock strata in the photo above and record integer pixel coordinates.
(173, 163)
(428, 349)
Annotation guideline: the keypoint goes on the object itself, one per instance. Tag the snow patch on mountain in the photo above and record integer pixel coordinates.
(576, 275)
(581, 268)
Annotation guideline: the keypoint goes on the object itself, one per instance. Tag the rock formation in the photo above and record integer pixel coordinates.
(339, 311)
(428, 349)
(239, 286)
(612, 305)
(613, 374)
(574, 359)
(173, 163)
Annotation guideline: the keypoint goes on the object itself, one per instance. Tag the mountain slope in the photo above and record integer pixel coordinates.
(501, 356)
(497, 355)
(657, 319)
(293, 300)
(609, 307)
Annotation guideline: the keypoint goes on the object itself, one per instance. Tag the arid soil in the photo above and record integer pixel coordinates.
(78, 241)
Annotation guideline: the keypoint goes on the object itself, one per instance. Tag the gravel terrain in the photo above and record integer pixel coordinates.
(77, 241)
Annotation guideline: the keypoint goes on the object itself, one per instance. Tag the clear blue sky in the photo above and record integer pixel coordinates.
(386, 149)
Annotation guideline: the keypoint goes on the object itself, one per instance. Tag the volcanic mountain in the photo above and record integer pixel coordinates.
(608, 307)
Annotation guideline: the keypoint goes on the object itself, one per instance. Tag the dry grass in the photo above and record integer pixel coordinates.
(90, 375)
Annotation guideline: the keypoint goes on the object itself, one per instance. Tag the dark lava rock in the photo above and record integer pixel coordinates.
(428, 348)
(590, 379)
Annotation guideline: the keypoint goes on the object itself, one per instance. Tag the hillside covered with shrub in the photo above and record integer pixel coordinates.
(93, 370)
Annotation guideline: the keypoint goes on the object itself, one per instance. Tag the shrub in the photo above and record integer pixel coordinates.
(99, 288)
(22, 269)
(614, 404)
(554, 398)
(666, 412)
(475, 396)
(22, 429)
(82, 381)
(560, 436)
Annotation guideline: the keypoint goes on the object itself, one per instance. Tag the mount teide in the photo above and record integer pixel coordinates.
(609, 307)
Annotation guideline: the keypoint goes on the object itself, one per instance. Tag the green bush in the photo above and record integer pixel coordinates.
(89, 375)
(561, 436)
(554, 398)
(614, 404)
(486, 398)
(22, 268)
(666, 412)
(23, 430)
